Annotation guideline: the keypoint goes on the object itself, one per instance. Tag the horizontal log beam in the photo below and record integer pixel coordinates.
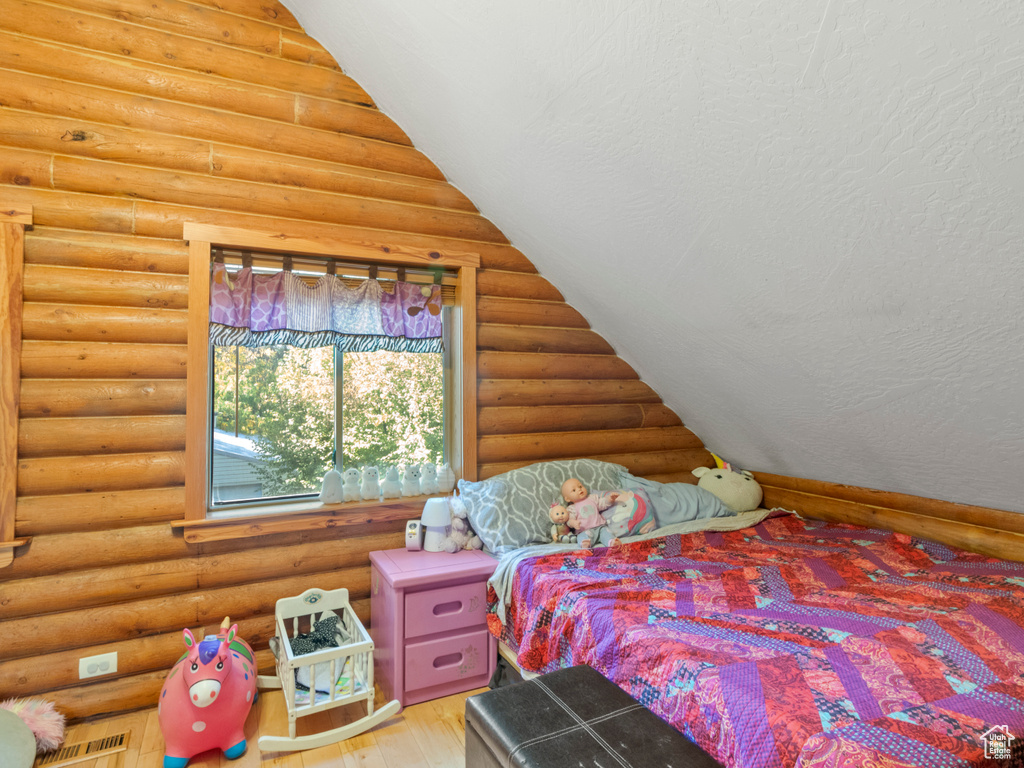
(503, 421)
(297, 46)
(947, 510)
(111, 287)
(118, 217)
(143, 47)
(639, 464)
(267, 168)
(974, 538)
(531, 338)
(69, 210)
(33, 93)
(82, 436)
(524, 392)
(515, 285)
(108, 585)
(60, 62)
(563, 445)
(46, 633)
(97, 360)
(181, 18)
(79, 322)
(270, 11)
(106, 250)
(515, 365)
(498, 309)
(92, 546)
(97, 474)
(86, 514)
(101, 397)
(77, 174)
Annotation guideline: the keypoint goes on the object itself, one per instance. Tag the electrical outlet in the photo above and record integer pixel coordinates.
(94, 666)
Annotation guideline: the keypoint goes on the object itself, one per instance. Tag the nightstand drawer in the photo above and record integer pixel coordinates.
(453, 659)
(445, 609)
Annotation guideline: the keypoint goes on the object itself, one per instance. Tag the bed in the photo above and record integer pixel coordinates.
(771, 640)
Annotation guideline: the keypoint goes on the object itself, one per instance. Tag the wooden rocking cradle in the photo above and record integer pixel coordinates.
(323, 678)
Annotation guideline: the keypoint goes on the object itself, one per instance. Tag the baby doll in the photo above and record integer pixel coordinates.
(560, 525)
(587, 508)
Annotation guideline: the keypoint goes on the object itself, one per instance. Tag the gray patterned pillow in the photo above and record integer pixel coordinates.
(510, 510)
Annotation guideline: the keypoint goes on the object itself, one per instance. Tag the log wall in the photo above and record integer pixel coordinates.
(119, 121)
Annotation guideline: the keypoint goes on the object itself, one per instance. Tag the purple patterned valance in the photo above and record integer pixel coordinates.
(250, 310)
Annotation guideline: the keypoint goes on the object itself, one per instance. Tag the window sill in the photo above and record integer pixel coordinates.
(306, 517)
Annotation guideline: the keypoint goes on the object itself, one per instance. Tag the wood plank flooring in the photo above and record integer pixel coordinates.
(427, 735)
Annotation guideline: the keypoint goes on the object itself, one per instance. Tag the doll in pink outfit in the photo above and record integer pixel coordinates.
(585, 509)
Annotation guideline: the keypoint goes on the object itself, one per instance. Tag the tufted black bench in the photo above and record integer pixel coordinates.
(572, 717)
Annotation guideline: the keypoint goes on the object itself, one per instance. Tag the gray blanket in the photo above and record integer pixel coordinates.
(676, 502)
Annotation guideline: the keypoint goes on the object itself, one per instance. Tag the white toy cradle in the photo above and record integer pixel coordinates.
(347, 670)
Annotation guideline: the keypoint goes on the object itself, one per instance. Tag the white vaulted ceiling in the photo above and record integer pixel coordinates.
(799, 221)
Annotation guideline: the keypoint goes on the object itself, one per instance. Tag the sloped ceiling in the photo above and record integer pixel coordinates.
(799, 221)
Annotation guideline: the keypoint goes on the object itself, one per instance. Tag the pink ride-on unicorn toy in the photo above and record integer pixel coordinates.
(207, 696)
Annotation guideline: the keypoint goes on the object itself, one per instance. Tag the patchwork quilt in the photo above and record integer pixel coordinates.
(794, 642)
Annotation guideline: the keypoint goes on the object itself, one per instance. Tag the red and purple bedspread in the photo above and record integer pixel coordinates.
(793, 643)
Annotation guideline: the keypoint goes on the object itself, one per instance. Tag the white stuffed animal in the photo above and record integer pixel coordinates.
(370, 488)
(411, 480)
(445, 479)
(737, 489)
(391, 486)
(350, 487)
(330, 490)
(428, 478)
(461, 534)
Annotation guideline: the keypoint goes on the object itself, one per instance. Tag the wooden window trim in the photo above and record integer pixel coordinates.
(13, 221)
(202, 238)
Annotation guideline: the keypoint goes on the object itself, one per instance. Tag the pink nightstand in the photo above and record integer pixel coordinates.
(428, 621)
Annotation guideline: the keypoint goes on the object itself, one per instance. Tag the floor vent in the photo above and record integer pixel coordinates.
(69, 754)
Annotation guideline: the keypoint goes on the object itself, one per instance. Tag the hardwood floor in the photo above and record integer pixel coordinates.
(427, 735)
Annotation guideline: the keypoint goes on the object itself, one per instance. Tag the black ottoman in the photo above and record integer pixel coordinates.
(572, 717)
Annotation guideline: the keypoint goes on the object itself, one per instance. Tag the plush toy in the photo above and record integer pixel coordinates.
(370, 487)
(411, 480)
(351, 479)
(207, 696)
(331, 488)
(630, 514)
(461, 535)
(737, 489)
(428, 478)
(391, 486)
(43, 722)
(445, 479)
(560, 530)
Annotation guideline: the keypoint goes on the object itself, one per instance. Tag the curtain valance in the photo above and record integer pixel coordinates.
(252, 310)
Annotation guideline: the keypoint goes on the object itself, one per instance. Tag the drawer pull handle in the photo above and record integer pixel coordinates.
(447, 660)
(442, 609)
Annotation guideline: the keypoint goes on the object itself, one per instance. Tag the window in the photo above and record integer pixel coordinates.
(282, 415)
(265, 420)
